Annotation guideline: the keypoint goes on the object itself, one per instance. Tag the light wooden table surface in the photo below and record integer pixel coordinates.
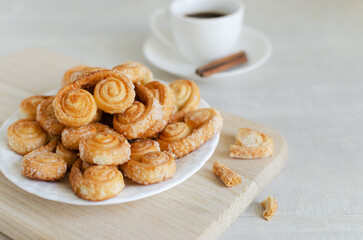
(311, 90)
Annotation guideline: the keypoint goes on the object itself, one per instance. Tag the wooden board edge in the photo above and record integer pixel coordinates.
(217, 228)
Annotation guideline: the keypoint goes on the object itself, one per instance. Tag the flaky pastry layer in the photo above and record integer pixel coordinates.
(153, 167)
(181, 138)
(70, 156)
(251, 144)
(105, 149)
(187, 97)
(135, 71)
(25, 135)
(166, 98)
(226, 175)
(141, 116)
(44, 164)
(28, 107)
(47, 119)
(96, 183)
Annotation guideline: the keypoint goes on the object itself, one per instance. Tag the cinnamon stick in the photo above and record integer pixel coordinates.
(222, 64)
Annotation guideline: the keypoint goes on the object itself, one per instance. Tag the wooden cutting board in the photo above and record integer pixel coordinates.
(200, 208)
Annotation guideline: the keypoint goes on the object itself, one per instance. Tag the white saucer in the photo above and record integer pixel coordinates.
(254, 43)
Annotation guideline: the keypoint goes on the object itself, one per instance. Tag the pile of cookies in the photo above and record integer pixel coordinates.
(104, 124)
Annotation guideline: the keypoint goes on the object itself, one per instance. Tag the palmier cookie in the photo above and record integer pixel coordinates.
(71, 136)
(84, 72)
(141, 116)
(251, 144)
(105, 149)
(141, 147)
(96, 183)
(114, 95)
(73, 106)
(187, 98)
(71, 74)
(153, 167)
(47, 119)
(166, 98)
(25, 135)
(181, 138)
(78, 72)
(28, 107)
(70, 156)
(135, 72)
(44, 164)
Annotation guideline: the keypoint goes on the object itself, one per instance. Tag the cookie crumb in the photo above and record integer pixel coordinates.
(226, 175)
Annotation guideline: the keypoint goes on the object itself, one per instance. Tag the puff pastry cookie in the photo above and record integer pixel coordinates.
(251, 144)
(78, 72)
(187, 98)
(44, 164)
(166, 98)
(46, 117)
(74, 107)
(141, 147)
(141, 116)
(152, 167)
(181, 138)
(105, 149)
(73, 73)
(135, 72)
(96, 183)
(28, 107)
(114, 95)
(68, 155)
(25, 135)
(71, 136)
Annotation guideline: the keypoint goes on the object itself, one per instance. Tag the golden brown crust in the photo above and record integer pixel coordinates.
(96, 183)
(251, 144)
(70, 156)
(187, 97)
(166, 98)
(226, 175)
(28, 107)
(71, 136)
(135, 72)
(74, 107)
(43, 164)
(153, 167)
(114, 95)
(79, 72)
(141, 116)
(141, 147)
(102, 128)
(25, 135)
(47, 119)
(181, 138)
(105, 149)
(72, 73)
(270, 206)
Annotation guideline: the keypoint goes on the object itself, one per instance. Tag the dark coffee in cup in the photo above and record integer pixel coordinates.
(206, 15)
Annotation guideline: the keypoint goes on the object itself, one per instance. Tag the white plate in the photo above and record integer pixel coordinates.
(254, 43)
(62, 192)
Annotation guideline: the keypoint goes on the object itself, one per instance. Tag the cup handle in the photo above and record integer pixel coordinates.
(155, 20)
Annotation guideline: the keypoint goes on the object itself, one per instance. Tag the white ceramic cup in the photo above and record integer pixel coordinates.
(200, 40)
